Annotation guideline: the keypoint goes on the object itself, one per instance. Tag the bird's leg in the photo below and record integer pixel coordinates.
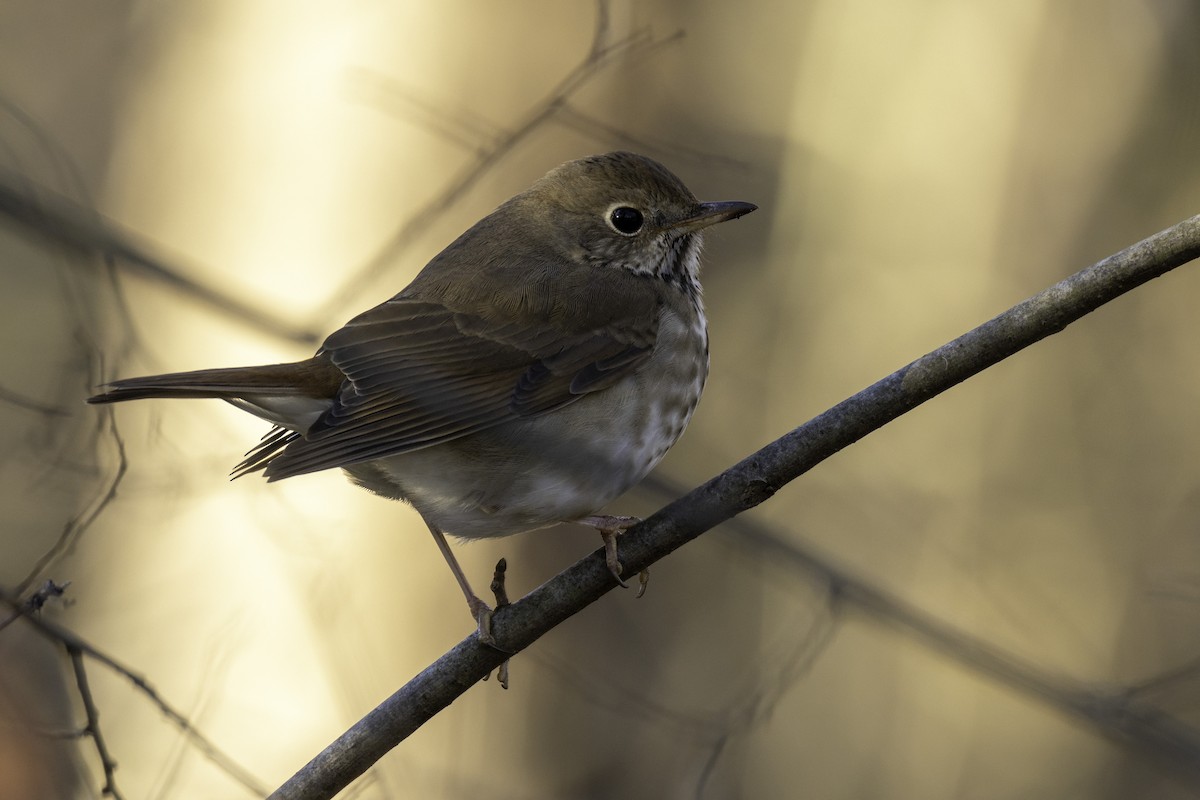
(501, 592)
(481, 612)
(610, 528)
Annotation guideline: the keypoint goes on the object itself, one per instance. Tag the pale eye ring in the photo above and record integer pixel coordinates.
(626, 220)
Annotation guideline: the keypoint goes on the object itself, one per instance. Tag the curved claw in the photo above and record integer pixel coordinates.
(610, 556)
(643, 582)
(610, 527)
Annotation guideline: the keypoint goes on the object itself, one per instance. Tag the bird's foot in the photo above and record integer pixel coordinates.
(485, 618)
(610, 528)
(481, 612)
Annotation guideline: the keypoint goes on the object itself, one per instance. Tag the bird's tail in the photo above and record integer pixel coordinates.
(274, 379)
(315, 378)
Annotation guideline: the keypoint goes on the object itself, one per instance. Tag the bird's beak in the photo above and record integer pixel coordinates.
(711, 213)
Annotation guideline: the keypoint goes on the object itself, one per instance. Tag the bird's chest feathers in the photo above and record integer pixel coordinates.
(655, 404)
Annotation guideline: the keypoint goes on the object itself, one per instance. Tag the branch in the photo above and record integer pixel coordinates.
(93, 724)
(494, 142)
(739, 488)
(60, 220)
(81, 521)
(1120, 715)
(77, 648)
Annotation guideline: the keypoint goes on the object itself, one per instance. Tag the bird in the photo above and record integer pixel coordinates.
(534, 370)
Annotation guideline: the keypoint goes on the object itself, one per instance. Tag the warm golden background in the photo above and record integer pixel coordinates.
(920, 166)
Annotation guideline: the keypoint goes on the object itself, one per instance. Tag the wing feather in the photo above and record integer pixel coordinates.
(419, 374)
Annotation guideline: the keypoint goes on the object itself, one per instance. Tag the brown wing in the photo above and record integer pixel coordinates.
(419, 373)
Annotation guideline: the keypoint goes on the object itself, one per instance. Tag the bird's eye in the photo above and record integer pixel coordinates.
(626, 220)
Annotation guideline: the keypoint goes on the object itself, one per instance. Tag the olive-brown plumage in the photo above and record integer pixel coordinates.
(535, 369)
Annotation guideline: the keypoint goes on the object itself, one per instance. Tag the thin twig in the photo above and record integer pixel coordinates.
(745, 485)
(77, 525)
(36, 601)
(93, 723)
(74, 643)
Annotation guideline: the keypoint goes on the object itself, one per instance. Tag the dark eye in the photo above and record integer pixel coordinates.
(626, 220)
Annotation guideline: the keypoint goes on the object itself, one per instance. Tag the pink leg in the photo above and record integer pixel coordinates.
(481, 612)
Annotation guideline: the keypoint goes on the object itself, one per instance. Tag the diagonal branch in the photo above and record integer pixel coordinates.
(494, 147)
(1121, 715)
(741, 487)
(61, 221)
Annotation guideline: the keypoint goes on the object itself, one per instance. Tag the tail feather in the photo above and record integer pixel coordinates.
(292, 396)
(313, 378)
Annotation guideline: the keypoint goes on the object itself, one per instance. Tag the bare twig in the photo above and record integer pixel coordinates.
(75, 644)
(36, 601)
(78, 524)
(743, 486)
(93, 723)
(68, 220)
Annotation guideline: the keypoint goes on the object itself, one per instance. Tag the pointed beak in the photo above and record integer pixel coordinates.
(711, 213)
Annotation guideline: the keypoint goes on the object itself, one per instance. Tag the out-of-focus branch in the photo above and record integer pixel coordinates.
(61, 221)
(1119, 714)
(81, 521)
(741, 487)
(77, 648)
(491, 143)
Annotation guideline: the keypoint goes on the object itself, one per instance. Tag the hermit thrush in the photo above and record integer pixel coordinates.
(535, 369)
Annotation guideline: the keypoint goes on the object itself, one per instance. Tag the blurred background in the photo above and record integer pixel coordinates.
(920, 166)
